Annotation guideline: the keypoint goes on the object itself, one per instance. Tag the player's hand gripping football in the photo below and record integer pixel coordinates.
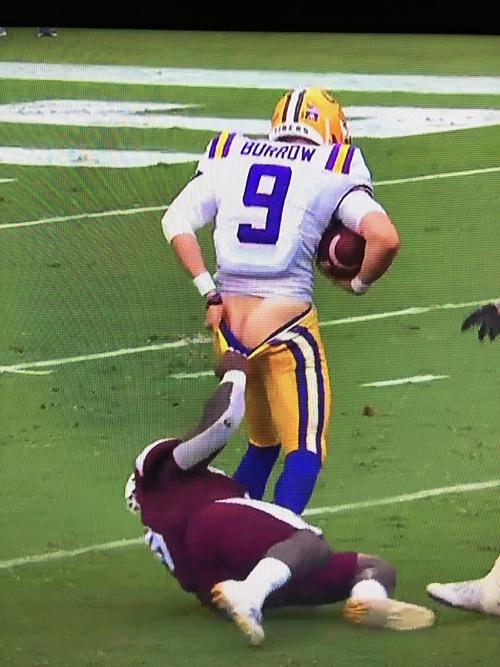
(487, 318)
(347, 286)
(344, 284)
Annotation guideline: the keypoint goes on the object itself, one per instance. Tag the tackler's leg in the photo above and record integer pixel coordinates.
(271, 551)
(370, 602)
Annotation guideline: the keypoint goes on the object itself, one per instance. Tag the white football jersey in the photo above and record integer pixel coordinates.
(271, 201)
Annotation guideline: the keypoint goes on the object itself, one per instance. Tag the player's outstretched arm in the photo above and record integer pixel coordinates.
(487, 319)
(222, 415)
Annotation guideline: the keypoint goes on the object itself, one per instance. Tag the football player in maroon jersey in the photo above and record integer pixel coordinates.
(242, 555)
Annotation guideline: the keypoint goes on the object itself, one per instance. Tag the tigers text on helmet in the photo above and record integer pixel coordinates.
(310, 113)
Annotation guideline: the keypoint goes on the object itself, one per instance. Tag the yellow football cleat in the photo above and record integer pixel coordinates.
(388, 613)
(230, 596)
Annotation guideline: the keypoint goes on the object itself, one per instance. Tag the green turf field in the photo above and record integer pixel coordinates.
(97, 317)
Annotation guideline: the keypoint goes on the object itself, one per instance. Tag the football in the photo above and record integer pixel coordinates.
(340, 252)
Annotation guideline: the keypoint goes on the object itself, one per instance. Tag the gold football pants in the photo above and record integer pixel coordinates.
(288, 392)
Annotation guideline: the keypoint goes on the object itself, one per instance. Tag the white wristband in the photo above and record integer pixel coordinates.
(204, 283)
(358, 286)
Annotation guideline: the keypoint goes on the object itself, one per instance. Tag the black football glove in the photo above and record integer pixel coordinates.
(487, 318)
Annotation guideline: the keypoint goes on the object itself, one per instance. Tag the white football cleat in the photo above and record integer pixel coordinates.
(481, 595)
(388, 613)
(232, 597)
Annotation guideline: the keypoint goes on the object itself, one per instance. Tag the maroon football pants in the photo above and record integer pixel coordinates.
(226, 541)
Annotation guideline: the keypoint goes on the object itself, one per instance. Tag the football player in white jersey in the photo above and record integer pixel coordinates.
(271, 200)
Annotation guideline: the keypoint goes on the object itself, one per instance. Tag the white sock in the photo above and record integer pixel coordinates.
(369, 589)
(268, 575)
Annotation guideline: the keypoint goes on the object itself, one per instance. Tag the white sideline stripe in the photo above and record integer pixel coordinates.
(381, 383)
(7, 180)
(414, 310)
(82, 216)
(58, 555)
(415, 379)
(192, 340)
(405, 497)
(431, 177)
(4, 369)
(199, 339)
(118, 544)
(164, 207)
(188, 376)
(242, 78)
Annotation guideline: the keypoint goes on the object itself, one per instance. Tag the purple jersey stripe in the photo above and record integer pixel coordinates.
(332, 157)
(228, 143)
(307, 335)
(348, 160)
(300, 376)
(213, 146)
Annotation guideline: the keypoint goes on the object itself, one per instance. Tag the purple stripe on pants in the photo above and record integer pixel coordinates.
(300, 375)
(306, 335)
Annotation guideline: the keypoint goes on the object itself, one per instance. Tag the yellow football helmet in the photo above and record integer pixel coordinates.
(310, 113)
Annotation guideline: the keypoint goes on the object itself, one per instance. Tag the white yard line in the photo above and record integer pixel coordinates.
(415, 379)
(413, 310)
(200, 339)
(164, 207)
(7, 180)
(58, 555)
(183, 342)
(191, 376)
(432, 177)
(242, 78)
(405, 497)
(83, 216)
(314, 511)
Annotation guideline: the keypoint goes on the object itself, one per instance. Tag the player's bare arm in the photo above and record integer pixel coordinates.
(189, 254)
(382, 246)
(194, 207)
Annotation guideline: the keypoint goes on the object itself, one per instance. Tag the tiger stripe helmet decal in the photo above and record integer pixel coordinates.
(310, 113)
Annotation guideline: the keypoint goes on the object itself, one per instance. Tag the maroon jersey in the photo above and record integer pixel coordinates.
(170, 497)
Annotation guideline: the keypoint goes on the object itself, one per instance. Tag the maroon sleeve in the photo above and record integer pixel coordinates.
(156, 457)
